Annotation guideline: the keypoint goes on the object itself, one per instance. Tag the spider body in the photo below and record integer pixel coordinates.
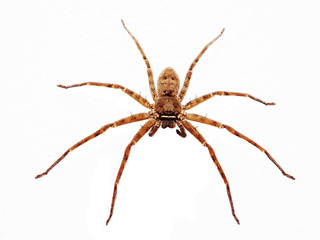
(168, 83)
(168, 111)
(168, 107)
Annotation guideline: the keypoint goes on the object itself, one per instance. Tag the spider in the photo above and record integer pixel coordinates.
(167, 111)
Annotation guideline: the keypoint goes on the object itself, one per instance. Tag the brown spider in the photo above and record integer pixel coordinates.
(167, 111)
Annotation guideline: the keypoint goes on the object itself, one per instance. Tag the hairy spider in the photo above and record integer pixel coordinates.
(167, 111)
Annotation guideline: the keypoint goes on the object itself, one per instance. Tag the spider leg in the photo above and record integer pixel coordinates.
(189, 73)
(133, 118)
(205, 120)
(182, 131)
(205, 97)
(149, 71)
(201, 139)
(132, 94)
(143, 130)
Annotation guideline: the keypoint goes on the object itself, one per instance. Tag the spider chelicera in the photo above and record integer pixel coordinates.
(167, 111)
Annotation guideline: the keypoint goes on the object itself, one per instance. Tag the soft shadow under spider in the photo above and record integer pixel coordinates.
(167, 111)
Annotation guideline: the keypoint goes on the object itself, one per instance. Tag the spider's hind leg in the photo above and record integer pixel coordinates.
(149, 71)
(185, 86)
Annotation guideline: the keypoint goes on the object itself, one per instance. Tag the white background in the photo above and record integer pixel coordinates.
(170, 188)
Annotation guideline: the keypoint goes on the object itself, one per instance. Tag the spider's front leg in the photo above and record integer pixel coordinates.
(144, 129)
(201, 139)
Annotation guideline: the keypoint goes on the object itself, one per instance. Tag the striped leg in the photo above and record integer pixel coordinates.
(132, 94)
(201, 139)
(205, 120)
(149, 71)
(189, 73)
(133, 118)
(145, 128)
(203, 98)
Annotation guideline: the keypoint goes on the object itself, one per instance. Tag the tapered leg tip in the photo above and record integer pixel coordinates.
(289, 176)
(40, 175)
(109, 218)
(237, 220)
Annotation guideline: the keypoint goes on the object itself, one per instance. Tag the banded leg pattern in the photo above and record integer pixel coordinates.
(130, 119)
(201, 139)
(143, 130)
(144, 102)
(189, 73)
(205, 120)
(149, 71)
(205, 97)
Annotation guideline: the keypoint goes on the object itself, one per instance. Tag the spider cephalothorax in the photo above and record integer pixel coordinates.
(167, 106)
(168, 111)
